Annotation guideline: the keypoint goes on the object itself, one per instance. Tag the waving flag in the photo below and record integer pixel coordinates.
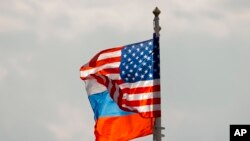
(130, 74)
(114, 124)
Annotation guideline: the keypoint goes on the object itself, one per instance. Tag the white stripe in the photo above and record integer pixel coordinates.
(114, 76)
(143, 96)
(146, 108)
(109, 55)
(85, 73)
(110, 86)
(93, 87)
(145, 83)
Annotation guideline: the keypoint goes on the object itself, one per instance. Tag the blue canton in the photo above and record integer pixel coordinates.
(140, 61)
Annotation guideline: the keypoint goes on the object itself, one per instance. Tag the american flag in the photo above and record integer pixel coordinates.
(131, 74)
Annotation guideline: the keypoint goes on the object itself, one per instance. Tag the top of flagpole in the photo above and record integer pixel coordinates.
(157, 136)
(157, 27)
(156, 11)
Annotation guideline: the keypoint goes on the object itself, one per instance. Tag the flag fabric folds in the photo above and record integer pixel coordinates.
(123, 86)
(130, 74)
(114, 124)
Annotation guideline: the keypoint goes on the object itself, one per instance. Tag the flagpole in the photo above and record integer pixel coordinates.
(157, 136)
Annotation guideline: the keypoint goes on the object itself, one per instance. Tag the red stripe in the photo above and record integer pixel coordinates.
(112, 92)
(105, 61)
(99, 79)
(103, 73)
(110, 50)
(85, 68)
(94, 63)
(139, 90)
(100, 63)
(108, 71)
(107, 81)
(94, 59)
(111, 70)
(120, 101)
(151, 114)
(118, 82)
(143, 102)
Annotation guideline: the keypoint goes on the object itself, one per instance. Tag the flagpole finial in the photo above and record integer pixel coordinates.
(157, 27)
(157, 11)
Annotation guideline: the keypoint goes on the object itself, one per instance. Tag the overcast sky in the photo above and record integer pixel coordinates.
(205, 64)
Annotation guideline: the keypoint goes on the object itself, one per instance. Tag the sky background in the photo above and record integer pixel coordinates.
(205, 64)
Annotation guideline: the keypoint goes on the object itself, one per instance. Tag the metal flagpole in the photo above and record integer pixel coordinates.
(157, 136)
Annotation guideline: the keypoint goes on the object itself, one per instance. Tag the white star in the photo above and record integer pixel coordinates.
(150, 51)
(146, 71)
(131, 70)
(138, 49)
(142, 76)
(150, 67)
(133, 54)
(135, 66)
(144, 63)
(141, 44)
(136, 74)
(150, 75)
(150, 43)
(142, 53)
(129, 50)
(125, 55)
(133, 78)
(133, 46)
(140, 61)
(146, 48)
(137, 58)
(148, 58)
(129, 75)
(132, 62)
(140, 69)
(123, 72)
(129, 59)
(145, 56)
(126, 67)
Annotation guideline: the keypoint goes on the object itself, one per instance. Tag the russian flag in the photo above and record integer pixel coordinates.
(112, 123)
